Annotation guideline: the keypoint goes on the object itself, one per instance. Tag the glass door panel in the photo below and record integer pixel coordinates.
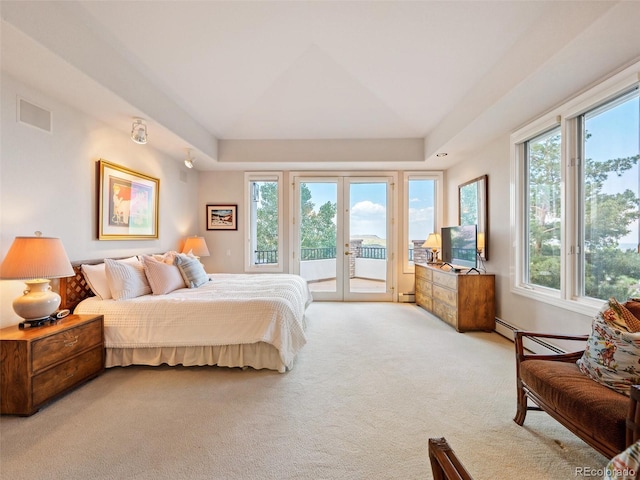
(367, 239)
(317, 236)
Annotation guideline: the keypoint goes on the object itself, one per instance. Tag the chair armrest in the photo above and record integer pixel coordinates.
(444, 462)
(520, 335)
(633, 416)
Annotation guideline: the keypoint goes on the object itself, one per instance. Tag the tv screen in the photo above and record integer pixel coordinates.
(459, 245)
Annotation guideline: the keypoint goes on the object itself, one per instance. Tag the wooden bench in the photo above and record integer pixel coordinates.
(444, 462)
(605, 419)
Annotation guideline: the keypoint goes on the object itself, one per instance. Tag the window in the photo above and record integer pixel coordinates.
(542, 208)
(610, 187)
(423, 200)
(576, 199)
(264, 222)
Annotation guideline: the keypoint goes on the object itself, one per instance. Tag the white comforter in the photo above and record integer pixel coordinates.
(231, 309)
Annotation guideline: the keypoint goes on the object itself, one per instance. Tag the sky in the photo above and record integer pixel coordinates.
(615, 133)
(368, 202)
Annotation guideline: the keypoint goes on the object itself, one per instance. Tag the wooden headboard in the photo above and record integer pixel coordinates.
(75, 289)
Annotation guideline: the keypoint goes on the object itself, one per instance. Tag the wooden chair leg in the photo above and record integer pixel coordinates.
(521, 411)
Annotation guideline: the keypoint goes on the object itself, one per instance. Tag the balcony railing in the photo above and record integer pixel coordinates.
(325, 253)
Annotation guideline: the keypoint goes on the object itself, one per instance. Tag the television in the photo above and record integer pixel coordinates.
(459, 246)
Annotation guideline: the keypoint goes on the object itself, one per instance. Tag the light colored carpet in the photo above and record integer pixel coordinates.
(373, 383)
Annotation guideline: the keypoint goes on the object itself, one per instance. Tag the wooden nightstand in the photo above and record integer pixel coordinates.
(39, 364)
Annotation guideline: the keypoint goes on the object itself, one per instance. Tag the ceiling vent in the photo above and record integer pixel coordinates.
(34, 115)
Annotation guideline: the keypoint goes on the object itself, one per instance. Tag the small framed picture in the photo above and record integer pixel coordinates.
(222, 217)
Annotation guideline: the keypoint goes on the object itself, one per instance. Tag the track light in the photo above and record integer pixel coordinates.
(189, 161)
(139, 131)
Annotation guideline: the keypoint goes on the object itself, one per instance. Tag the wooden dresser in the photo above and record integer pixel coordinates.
(39, 364)
(466, 302)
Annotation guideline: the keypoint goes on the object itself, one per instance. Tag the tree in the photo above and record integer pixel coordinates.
(607, 218)
(317, 229)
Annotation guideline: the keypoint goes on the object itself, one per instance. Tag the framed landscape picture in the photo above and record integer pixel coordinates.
(127, 204)
(222, 217)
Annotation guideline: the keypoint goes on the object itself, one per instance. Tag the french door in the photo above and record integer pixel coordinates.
(342, 236)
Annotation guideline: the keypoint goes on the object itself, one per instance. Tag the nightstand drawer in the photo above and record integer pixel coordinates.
(58, 379)
(58, 347)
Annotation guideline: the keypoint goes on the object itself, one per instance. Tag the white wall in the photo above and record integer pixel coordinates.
(493, 159)
(48, 183)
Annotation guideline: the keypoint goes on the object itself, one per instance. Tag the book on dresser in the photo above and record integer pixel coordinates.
(466, 301)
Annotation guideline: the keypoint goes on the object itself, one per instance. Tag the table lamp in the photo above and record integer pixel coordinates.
(434, 242)
(197, 246)
(36, 260)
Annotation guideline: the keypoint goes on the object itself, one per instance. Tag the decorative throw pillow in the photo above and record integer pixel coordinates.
(126, 280)
(625, 465)
(631, 322)
(167, 257)
(96, 278)
(633, 306)
(163, 278)
(192, 271)
(612, 354)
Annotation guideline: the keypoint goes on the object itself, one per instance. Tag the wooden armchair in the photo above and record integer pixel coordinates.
(444, 462)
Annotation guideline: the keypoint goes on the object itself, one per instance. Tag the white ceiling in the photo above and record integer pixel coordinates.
(454, 73)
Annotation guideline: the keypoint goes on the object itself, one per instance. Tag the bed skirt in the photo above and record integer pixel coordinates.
(256, 355)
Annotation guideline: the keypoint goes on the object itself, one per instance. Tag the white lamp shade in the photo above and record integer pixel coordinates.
(36, 257)
(197, 246)
(433, 241)
(480, 244)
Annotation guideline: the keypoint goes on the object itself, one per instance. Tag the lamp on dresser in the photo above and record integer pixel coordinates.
(36, 260)
(196, 246)
(434, 242)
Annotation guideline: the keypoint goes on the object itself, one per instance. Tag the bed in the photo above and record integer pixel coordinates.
(233, 320)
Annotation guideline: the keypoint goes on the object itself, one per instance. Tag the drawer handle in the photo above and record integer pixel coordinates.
(71, 343)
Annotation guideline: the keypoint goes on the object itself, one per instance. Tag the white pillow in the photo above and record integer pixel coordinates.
(192, 271)
(163, 278)
(126, 280)
(96, 277)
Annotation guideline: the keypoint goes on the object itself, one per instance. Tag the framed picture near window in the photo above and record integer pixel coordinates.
(222, 217)
(128, 203)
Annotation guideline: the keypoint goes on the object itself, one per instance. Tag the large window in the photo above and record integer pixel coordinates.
(264, 243)
(610, 186)
(542, 207)
(423, 201)
(577, 200)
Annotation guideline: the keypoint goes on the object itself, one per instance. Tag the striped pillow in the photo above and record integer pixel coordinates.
(192, 271)
(163, 278)
(126, 280)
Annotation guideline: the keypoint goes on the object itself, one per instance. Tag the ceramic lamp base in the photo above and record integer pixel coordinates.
(38, 301)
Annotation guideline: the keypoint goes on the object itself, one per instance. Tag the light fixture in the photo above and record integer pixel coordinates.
(189, 161)
(36, 260)
(196, 246)
(434, 242)
(139, 131)
(480, 243)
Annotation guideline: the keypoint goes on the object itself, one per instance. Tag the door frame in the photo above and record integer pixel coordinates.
(342, 293)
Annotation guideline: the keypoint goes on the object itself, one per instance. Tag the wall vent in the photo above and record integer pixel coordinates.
(33, 115)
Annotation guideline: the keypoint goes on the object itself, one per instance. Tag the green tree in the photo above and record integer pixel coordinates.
(607, 218)
(317, 229)
(267, 217)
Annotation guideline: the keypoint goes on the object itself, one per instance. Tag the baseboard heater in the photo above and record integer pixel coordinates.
(533, 344)
(407, 297)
